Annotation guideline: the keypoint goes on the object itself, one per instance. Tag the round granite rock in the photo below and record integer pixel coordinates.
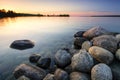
(86, 45)
(118, 54)
(49, 77)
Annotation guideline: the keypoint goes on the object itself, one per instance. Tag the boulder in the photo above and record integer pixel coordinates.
(94, 32)
(44, 63)
(82, 61)
(22, 44)
(79, 76)
(108, 42)
(32, 72)
(100, 54)
(61, 75)
(49, 77)
(78, 42)
(86, 45)
(117, 54)
(101, 72)
(23, 78)
(79, 34)
(34, 58)
(118, 37)
(63, 58)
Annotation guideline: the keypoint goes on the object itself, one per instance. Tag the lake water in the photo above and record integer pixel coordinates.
(48, 33)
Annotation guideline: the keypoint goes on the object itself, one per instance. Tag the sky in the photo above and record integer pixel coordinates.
(73, 7)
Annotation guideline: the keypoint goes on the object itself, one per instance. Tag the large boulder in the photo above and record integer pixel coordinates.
(49, 77)
(79, 76)
(78, 42)
(102, 55)
(63, 58)
(94, 32)
(61, 75)
(108, 42)
(22, 44)
(32, 72)
(101, 72)
(79, 34)
(34, 58)
(86, 45)
(82, 61)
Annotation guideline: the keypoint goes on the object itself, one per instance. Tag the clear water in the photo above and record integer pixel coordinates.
(48, 33)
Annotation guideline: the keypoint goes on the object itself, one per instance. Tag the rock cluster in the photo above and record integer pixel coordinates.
(95, 56)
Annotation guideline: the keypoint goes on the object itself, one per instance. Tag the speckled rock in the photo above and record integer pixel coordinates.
(78, 42)
(118, 37)
(100, 54)
(79, 76)
(32, 72)
(82, 61)
(86, 45)
(101, 72)
(94, 32)
(108, 42)
(63, 58)
(117, 54)
(79, 34)
(22, 44)
(49, 77)
(23, 78)
(34, 58)
(61, 75)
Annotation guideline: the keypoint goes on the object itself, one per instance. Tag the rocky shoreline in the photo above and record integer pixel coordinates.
(95, 56)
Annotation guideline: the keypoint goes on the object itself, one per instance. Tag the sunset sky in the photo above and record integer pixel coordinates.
(73, 7)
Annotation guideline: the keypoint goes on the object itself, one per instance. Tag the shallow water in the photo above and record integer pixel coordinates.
(48, 33)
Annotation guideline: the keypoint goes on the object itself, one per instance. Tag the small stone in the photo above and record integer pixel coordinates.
(23, 78)
(63, 58)
(78, 42)
(49, 77)
(79, 76)
(118, 54)
(73, 51)
(32, 72)
(86, 45)
(82, 61)
(22, 44)
(61, 75)
(118, 37)
(101, 72)
(44, 63)
(79, 34)
(68, 69)
(34, 58)
(100, 54)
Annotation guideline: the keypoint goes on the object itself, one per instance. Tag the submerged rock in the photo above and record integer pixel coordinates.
(61, 75)
(63, 58)
(82, 61)
(49, 77)
(102, 55)
(86, 45)
(32, 72)
(101, 72)
(79, 34)
(94, 32)
(78, 42)
(79, 76)
(22, 44)
(108, 42)
(34, 58)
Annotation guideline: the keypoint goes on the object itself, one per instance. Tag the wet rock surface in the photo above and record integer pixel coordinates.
(79, 34)
(34, 58)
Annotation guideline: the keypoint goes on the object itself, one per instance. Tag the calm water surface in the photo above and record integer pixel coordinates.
(49, 35)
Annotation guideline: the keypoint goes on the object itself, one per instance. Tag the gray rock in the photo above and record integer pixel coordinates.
(108, 42)
(68, 69)
(61, 75)
(79, 34)
(86, 45)
(82, 61)
(118, 37)
(32, 72)
(73, 51)
(79, 76)
(63, 58)
(34, 58)
(22, 44)
(49, 77)
(115, 67)
(117, 54)
(78, 42)
(102, 55)
(101, 72)
(23, 78)
(94, 32)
